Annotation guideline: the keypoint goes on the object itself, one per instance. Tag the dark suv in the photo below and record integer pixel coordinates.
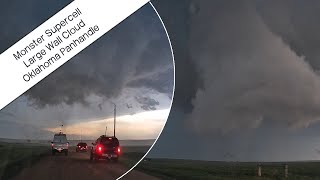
(105, 147)
(60, 144)
(82, 147)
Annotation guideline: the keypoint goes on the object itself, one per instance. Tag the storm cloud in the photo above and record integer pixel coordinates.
(247, 68)
(147, 103)
(131, 66)
(247, 86)
(134, 54)
(136, 50)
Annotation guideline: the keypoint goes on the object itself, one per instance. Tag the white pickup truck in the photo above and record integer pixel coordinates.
(60, 144)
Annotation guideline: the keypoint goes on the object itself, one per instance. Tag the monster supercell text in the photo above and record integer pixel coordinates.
(64, 22)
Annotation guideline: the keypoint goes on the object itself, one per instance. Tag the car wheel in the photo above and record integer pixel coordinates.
(115, 159)
(91, 157)
(66, 153)
(53, 153)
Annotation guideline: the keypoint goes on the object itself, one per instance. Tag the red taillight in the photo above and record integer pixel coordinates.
(52, 144)
(99, 149)
(119, 150)
(79, 146)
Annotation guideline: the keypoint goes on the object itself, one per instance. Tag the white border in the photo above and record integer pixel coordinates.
(102, 14)
(174, 84)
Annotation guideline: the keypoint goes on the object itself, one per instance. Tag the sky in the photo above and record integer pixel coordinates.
(247, 80)
(130, 66)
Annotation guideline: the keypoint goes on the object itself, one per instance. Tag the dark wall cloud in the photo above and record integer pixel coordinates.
(176, 18)
(297, 23)
(250, 74)
(245, 73)
(247, 80)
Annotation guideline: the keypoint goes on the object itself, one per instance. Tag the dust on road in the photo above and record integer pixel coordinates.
(76, 166)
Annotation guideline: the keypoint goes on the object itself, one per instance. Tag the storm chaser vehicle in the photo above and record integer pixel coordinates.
(60, 144)
(105, 147)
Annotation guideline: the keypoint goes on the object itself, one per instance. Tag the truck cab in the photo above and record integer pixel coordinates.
(105, 147)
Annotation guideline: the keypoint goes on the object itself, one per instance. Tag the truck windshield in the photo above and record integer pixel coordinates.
(60, 139)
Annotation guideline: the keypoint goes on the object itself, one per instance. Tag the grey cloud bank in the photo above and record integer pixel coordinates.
(250, 75)
(247, 84)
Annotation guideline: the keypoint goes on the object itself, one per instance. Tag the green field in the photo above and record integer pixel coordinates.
(131, 155)
(187, 169)
(15, 157)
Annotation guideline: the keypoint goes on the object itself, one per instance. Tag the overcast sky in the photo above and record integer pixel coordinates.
(130, 66)
(248, 85)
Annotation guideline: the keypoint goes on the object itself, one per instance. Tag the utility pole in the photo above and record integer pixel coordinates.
(81, 135)
(114, 119)
(259, 170)
(61, 128)
(286, 170)
(105, 133)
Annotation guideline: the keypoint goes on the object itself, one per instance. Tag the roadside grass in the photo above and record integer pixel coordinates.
(185, 169)
(132, 154)
(15, 157)
(171, 169)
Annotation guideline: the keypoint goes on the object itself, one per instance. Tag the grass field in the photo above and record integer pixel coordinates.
(15, 157)
(185, 169)
(131, 155)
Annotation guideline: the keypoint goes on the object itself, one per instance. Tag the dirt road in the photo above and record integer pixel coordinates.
(77, 166)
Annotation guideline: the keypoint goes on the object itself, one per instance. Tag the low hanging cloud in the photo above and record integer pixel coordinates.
(147, 103)
(250, 74)
(161, 82)
(297, 24)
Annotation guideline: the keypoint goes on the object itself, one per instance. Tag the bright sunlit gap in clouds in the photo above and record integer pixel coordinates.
(144, 125)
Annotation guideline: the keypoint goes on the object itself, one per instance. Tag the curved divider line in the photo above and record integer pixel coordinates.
(173, 91)
(56, 41)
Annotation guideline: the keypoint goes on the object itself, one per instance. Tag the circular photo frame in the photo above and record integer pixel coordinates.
(100, 113)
